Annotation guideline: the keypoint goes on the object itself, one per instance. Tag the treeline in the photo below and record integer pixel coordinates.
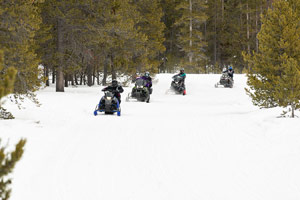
(83, 42)
(232, 28)
(204, 36)
(87, 41)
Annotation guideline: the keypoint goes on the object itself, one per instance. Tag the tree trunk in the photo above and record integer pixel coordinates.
(94, 75)
(164, 61)
(76, 81)
(53, 75)
(81, 79)
(112, 67)
(191, 32)
(293, 110)
(98, 79)
(215, 35)
(256, 27)
(66, 80)
(105, 73)
(89, 75)
(47, 75)
(248, 28)
(205, 31)
(241, 20)
(72, 80)
(59, 73)
(84, 79)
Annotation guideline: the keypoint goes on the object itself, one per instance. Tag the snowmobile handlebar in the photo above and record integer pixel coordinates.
(178, 77)
(110, 90)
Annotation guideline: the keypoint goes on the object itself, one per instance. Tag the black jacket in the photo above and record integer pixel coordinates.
(116, 90)
(230, 72)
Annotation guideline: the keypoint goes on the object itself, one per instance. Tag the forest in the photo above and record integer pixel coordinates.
(63, 43)
(86, 41)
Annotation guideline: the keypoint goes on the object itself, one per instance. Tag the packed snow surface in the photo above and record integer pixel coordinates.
(211, 144)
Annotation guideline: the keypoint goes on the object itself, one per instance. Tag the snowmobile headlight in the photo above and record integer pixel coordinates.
(109, 98)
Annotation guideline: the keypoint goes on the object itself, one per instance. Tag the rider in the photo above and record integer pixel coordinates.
(183, 75)
(181, 82)
(115, 88)
(148, 79)
(230, 72)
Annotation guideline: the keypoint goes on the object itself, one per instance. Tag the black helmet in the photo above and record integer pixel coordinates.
(114, 83)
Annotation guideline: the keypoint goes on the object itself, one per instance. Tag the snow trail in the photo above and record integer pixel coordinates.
(210, 144)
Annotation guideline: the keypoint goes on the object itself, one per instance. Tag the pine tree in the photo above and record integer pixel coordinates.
(7, 164)
(124, 44)
(231, 28)
(172, 55)
(97, 35)
(151, 26)
(274, 79)
(7, 79)
(288, 89)
(20, 21)
(191, 40)
(46, 42)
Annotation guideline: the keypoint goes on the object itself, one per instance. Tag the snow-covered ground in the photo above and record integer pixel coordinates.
(211, 144)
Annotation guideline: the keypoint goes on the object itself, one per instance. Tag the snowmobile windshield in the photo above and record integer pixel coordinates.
(140, 82)
(177, 78)
(224, 76)
(109, 94)
(224, 72)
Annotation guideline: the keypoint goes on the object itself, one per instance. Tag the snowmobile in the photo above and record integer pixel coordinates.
(225, 80)
(177, 85)
(108, 104)
(140, 91)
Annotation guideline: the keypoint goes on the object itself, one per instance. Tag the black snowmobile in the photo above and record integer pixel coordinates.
(108, 104)
(225, 80)
(177, 85)
(140, 91)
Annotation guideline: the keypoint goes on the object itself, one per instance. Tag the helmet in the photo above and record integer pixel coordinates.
(114, 83)
(147, 74)
(230, 68)
(181, 70)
